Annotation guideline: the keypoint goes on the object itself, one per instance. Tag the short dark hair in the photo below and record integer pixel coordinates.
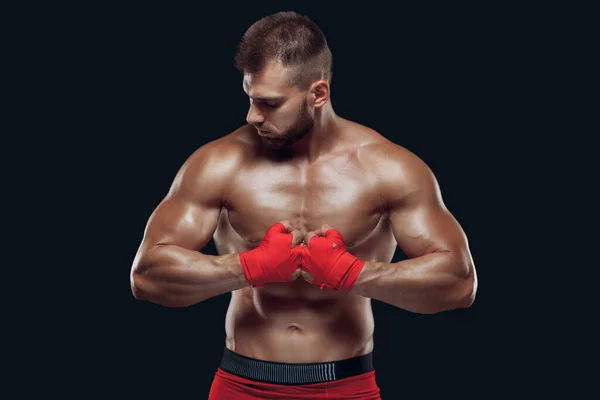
(290, 38)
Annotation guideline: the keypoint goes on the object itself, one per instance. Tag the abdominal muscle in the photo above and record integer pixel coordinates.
(298, 323)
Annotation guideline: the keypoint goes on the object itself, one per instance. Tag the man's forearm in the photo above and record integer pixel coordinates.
(176, 277)
(428, 284)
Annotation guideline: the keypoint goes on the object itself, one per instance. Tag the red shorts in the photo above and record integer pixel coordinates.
(227, 386)
(239, 378)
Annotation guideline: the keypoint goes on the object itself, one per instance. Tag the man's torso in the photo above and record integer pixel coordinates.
(298, 322)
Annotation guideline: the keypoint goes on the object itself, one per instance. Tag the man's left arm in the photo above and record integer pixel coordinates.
(439, 274)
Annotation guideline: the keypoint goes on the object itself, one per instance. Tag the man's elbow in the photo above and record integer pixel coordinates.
(134, 283)
(469, 291)
(461, 296)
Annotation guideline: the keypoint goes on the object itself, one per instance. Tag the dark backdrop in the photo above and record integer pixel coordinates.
(116, 96)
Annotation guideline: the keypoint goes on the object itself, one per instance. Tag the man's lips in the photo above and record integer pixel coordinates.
(265, 134)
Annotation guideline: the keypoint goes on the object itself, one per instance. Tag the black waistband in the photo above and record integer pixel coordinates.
(294, 373)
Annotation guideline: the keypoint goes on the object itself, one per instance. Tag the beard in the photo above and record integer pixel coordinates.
(301, 126)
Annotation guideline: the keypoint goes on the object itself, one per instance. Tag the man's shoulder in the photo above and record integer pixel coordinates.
(391, 164)
(233, 147)
(218, 159)
(380, 154)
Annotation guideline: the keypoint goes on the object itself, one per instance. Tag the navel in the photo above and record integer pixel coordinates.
(294, 327)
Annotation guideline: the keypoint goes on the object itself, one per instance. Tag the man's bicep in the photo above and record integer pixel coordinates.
(420, 220)
(183, 222)
(426, 226)
(189, 214)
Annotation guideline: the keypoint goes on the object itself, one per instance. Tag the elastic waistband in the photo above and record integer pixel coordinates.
(294, 373)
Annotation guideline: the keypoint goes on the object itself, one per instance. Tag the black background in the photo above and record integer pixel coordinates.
(112, 97)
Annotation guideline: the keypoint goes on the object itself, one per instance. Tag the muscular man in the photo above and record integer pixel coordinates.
(306, 209)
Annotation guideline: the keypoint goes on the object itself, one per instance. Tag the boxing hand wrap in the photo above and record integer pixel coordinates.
(331, 267)
(273, 260)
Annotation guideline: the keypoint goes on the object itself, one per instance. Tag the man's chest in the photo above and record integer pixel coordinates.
(337, 193)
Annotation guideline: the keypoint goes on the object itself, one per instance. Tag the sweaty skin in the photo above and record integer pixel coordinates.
(297, 161)
(377, 194)
(298, 322)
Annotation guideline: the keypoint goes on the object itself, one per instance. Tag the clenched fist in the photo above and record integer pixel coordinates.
(276, 259)
(326, 262)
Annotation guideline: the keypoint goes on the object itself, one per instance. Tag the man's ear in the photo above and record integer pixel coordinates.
(319, 93)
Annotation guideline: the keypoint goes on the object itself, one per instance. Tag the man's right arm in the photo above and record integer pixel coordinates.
(169, 268)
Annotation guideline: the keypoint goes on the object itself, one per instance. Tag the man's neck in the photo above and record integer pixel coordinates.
(322, 138)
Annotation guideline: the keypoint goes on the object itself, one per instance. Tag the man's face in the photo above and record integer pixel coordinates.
(278, 111)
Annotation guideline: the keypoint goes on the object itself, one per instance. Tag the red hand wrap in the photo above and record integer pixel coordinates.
(331, 267)
(273, 260)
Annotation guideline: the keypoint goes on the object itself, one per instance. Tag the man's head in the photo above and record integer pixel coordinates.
(287, 69)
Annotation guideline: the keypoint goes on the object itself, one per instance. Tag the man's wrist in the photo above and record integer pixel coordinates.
(351, 277)
(343, 275)
(233, 262)
(367, 274)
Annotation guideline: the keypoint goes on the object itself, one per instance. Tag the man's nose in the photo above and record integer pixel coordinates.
(254, 117)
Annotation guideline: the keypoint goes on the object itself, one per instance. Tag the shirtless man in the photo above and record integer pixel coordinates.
(306, 209)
